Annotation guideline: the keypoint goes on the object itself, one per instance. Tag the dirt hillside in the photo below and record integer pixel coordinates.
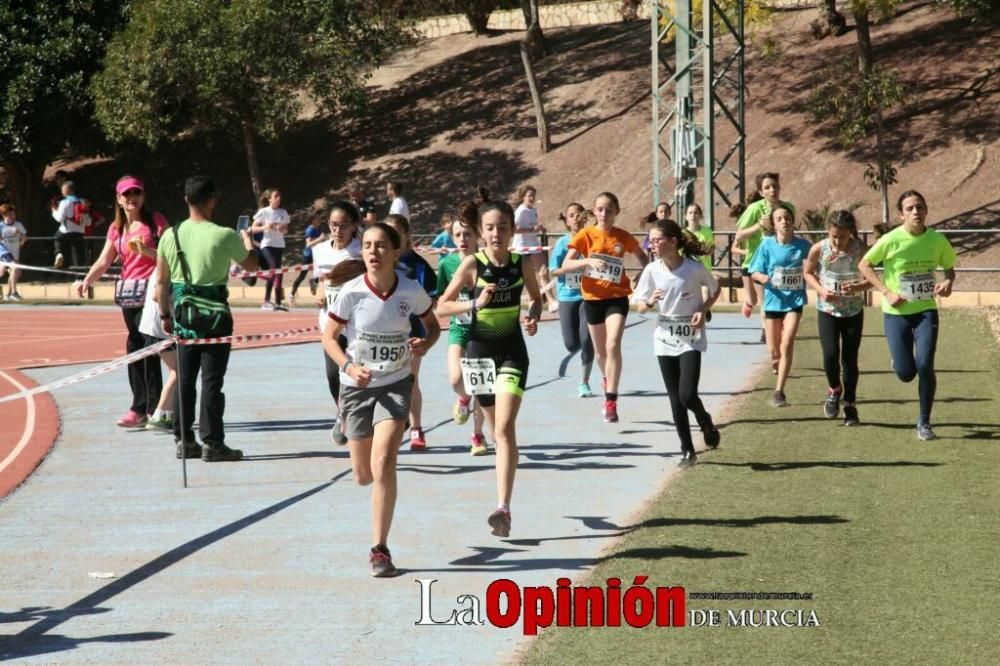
(455, 112)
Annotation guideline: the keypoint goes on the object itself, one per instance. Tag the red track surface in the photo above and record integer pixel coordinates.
(49, 336)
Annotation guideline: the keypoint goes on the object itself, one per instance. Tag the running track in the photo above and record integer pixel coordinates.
(42, 336)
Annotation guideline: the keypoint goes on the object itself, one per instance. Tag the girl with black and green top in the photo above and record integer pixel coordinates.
(831, 270)
(909, 255)
(497, 358)
(463, 230)
(750, 232)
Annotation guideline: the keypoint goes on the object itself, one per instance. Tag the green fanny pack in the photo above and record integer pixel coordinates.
(201, 312)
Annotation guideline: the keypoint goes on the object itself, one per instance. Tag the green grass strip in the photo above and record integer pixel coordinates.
(898, 540)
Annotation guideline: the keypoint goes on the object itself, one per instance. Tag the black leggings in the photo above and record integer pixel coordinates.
(144, 375)
(840, 339)
(302, 276)
(272, 259)
(333, 372)
(575, 334)
(680, 376)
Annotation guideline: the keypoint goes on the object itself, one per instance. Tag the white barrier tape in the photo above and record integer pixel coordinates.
(427, 249)
(45, 269)
(268, 273)
(234, 339)
(91, 373)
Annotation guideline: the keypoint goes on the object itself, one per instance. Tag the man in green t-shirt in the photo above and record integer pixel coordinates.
(208, 250)
(909, 255)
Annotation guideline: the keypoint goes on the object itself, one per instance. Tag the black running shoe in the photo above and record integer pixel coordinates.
(851, 415)
(687, 459)
(710, 433)
(187, 449)
(220, 453)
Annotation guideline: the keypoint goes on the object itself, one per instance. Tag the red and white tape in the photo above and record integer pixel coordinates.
(427, 249)
(46, 269)
(91, 373)
(271, 271)
(105, 368)
(236, 339)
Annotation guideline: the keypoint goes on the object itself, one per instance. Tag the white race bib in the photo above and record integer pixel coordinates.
(787, 279)
(614, 268)
(835, 282)
(916, 286)
(331, 295)
(573, 280)
(676, 330)
(466, 317)
(479, 375)
(383, 352)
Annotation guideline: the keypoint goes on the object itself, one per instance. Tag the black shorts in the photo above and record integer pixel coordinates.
(511, 361)
(774, 314)
(597, 311)
(745, 272)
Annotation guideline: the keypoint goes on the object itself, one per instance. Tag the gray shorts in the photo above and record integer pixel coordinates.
(362, 408)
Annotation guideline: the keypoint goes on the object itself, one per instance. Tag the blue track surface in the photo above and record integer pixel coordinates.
(266, 560)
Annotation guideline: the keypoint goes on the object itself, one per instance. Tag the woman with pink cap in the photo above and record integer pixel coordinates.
(132, 239)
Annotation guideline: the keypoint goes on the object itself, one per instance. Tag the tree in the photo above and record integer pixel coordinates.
(478, 13)
(245, 66)
(534, 38)
(49, 50)
(855, 95)
(830, 21)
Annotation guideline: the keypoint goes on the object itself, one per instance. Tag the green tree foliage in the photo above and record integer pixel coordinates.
(49, 50)
(250, 67)
(988, 10)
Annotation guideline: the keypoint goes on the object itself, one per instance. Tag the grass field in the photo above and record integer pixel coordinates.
(897, 539)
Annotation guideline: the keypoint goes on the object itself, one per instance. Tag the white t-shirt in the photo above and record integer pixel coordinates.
(674, 334)
(378, 329)
(525, 218)
(150, 323)
(11, 236)
(400, 207)
(273, 216)
(325, 257)
(64, 216)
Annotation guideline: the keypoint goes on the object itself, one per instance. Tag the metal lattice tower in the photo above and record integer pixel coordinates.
(701, 84)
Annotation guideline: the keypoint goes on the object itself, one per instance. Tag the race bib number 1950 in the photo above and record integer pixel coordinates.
(383, 352)
(479, 375)
(916, 286)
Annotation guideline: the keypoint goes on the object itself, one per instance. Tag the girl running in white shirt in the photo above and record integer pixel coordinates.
(343, 246)
(374, 310)
(673, 285)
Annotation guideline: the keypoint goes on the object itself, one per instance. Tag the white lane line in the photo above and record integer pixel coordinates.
(29, 423)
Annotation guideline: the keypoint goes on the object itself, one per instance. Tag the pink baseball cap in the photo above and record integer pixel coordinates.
(129, 183)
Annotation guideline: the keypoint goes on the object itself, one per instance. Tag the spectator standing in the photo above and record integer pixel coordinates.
(132, 240)
(272, 220)
(69, 236)
(394, 189)
(194, 259)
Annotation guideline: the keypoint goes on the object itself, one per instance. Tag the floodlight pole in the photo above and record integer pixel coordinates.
(706, 74)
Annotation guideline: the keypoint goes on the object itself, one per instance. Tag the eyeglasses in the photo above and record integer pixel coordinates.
(341, 225)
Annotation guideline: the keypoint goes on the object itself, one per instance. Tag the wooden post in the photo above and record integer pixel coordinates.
(536, 99)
